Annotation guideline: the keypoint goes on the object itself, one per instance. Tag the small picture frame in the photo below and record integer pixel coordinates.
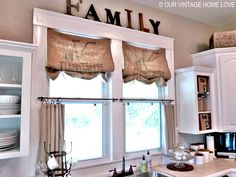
(205, 121)
(202, 84)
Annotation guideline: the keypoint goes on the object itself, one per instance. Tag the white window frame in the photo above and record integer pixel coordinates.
(43, 19)
(118, 110)
(132, 155)
(105, 130)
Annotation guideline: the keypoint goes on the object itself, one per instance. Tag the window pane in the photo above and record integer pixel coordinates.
(83, 127)
(83, 120)
(143, 126)
(136, 89)
(66, 86)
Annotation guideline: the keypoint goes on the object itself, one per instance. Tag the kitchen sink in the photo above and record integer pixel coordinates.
(149, 174)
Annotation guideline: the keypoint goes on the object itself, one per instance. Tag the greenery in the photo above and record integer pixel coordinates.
(146, 113)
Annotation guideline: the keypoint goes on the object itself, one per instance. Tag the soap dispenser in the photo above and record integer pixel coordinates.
(143, 165)
(149, 161)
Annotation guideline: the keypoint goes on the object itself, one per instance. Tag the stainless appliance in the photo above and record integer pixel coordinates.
(225, 144)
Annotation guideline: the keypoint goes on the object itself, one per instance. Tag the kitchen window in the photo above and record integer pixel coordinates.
(101, 131)
(142, 127)
(87, 124)
(142, 118)
(113, 120)
(84, 120)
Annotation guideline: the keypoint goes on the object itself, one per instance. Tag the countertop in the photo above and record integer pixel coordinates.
(216, 168)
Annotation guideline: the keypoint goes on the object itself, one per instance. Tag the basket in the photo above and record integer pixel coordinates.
(223, 39)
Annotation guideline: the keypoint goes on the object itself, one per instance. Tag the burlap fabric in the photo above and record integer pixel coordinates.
(147, 66)
(77, 56)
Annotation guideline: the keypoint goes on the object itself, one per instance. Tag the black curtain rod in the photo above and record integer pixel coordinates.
(103, 99)
(145, 99)
(75, 99)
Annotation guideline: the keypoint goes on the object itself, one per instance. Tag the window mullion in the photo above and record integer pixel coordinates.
(116, 115)
(106, 123)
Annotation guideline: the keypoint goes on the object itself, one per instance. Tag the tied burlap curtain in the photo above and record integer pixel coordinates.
(51, 129)
(77, 56)
(147, 66)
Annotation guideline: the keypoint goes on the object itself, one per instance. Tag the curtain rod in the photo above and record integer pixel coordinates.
(103, 99)
(145, 99)
(41, 98)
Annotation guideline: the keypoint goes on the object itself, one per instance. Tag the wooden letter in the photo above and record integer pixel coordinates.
(113, 20)
(92, 13)
(155, 26)
(69, 6)
(129, 18)
(141, 23)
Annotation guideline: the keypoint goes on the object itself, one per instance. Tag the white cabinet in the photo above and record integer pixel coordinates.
(195, 100)
(15, 79)
(232, 174)
(224, 62)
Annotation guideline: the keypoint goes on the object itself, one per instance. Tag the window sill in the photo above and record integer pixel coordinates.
(102, 169)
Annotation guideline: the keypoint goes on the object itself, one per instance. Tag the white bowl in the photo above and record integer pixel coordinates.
(9, 112)
(10, 107)
(9, 99)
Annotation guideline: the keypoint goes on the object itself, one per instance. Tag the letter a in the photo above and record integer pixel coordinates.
(92, 13)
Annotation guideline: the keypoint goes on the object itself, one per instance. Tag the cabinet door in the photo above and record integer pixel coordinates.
(232, 174)
(227, 71)
(15, 81)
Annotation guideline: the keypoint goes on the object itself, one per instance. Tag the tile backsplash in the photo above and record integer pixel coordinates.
(190, 138)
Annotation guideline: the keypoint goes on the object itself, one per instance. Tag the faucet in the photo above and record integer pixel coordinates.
(123, 172)
(123, 165)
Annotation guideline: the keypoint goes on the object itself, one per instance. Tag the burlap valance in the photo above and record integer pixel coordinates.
(147, 66)
(77, 56)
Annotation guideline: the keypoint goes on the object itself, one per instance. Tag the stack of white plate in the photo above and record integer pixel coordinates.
(8, 139)
(8, 104)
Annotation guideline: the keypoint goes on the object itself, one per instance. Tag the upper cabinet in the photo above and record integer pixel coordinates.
(195, 100)
(15, 89)
(224, 62)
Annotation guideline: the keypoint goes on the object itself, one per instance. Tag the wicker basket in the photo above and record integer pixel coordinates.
(223, 39)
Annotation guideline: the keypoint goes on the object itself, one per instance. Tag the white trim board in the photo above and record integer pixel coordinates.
(78, 25)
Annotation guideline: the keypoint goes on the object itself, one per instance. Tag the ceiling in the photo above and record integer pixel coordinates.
(217, 13)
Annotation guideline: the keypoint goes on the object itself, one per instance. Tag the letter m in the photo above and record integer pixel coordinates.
(113, 19)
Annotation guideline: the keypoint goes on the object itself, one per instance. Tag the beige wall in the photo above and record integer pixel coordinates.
(229, 27)
(16, 24)
(190, 36)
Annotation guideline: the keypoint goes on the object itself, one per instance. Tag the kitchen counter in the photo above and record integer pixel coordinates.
(216, 168)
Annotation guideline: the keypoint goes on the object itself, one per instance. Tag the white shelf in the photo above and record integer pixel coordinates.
(203, 93)
(204, 112)
(10, 86)
(10, 153)
(206, 131)
(10, 116)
